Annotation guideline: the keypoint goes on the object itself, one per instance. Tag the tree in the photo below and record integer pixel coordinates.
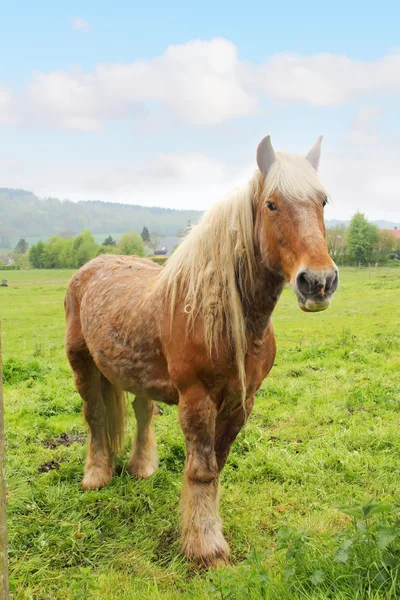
(84, 248)
(109, 241)
(186, 230)
(386, 246)
(336, 242)
(362, 236)
(22, 246)
(107, 250)
(21, 260)
(57, 253)
(36, 255)
(131, 243)
(145, 234)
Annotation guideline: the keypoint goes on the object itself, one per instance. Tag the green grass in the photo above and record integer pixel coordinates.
(324, 433)
(34, 276)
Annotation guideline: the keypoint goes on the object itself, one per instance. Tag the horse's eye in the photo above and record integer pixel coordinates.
(271, 206)
(325, 201)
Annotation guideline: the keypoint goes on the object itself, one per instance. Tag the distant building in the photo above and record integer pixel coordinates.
(396, 232)
(166, 246)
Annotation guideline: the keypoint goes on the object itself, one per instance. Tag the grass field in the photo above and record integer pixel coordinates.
(35, 276)
(324, 434)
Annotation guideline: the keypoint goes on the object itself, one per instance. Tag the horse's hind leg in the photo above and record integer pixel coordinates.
(98, 468)
(143, 460)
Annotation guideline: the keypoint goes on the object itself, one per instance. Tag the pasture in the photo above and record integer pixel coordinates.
(324, 434)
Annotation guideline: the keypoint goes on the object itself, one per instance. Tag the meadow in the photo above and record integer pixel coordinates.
(310, 494)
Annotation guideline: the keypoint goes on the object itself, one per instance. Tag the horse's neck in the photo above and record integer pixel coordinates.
(258, 308)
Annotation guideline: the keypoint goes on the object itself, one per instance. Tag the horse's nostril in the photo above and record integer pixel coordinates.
(331, 282)
(316, 283)
(303, 283)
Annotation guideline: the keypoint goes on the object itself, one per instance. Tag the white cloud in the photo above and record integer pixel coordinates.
(364, 132)
(362, 173)
(356, 178)
(369, 185)
(196, 83)
(201, 83)
(324, 79)
(190, 180)
(80, 24)
(7, 111)
(205, 84)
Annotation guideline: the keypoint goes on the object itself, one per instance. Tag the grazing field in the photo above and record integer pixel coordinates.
(36, 276)
(324, 435)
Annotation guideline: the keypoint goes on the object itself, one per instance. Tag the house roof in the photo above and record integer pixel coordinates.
(166, 246)
(395, 231)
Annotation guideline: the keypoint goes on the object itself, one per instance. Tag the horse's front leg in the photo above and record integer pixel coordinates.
(202, 538)
(228, 425)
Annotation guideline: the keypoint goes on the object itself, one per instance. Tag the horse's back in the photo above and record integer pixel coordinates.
(107, 266)
(103, 282)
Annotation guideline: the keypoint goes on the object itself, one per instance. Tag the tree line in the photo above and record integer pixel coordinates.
(362, 243)
(24, 214)
(58, 252)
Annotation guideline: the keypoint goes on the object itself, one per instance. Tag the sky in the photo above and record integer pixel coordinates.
(164, 103)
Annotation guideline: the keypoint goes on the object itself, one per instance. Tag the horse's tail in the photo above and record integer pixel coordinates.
(115, 404)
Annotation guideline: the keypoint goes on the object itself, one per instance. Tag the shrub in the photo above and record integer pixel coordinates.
(10, 267)
(16, 371)
(160, 260)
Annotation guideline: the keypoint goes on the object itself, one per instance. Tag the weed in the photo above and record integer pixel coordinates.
(363, 562)
(16, 371)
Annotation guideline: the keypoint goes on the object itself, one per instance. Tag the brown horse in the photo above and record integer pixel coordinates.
(198, 331)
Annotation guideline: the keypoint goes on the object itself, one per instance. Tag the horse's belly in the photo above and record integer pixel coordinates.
(140, 370)
(131, 358)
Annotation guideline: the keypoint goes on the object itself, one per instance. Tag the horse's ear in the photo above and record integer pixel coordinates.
(265, 155)
(314, 155)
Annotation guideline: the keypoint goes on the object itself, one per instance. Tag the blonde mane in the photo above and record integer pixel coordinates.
(214, 269)
(294, 177)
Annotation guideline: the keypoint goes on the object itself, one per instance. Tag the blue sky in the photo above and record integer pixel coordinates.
(164, 103)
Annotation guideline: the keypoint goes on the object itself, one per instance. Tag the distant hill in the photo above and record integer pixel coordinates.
(387, 224)
(23, 214)
(331, 224)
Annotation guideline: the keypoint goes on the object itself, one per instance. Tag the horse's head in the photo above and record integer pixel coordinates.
(290, 224)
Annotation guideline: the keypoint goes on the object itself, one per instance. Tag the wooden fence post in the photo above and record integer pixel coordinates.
(3, 522)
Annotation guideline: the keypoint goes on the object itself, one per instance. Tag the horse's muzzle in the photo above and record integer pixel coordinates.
(314, 288)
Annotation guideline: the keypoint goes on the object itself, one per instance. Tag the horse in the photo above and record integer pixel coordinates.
(197, 332)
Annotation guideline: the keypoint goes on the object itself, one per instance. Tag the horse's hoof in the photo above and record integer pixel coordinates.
(96, 478)
(142, 470)
(207, 553)
(215, 561)
(143, 465)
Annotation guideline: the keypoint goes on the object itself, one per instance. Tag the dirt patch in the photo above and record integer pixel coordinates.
(51, 465)
(65, 439)
(118, 469)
